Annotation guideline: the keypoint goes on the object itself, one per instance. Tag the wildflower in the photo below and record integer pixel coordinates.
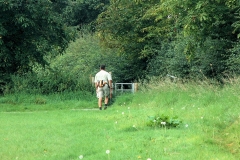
(186, 125)
(116, 122)
(149, 159)
(122, 113)
(134, 126)
(163, 123)
(128, 107)
(107, 151)
(154, 121)
(80, 157)
(201, 117)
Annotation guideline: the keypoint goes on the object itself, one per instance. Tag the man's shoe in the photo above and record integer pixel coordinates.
(100, 108)
(105, 106)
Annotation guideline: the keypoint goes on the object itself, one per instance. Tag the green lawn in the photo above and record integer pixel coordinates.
(210, 128)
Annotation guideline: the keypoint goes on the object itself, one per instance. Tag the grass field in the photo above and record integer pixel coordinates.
(70, 128)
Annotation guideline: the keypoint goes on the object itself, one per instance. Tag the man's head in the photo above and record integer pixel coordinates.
(102, 67)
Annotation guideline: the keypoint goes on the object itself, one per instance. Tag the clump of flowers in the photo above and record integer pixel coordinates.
(107, 151)
(163, 120)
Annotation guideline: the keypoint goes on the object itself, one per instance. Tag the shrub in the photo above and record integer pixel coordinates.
(163, 121)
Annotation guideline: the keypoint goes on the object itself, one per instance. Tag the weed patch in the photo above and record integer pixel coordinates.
(164, 121)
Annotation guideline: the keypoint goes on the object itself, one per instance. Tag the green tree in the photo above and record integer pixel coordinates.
(140, 28)
(206, 29)
(80, 12)
(122, 26)
(29, 31)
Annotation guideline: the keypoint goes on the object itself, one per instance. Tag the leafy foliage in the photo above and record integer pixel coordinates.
(121, 26)
(164, 121)
(30, 31)
(73, 70)
(209, 60)
(185, 38)
(140, 38)
(80, 12)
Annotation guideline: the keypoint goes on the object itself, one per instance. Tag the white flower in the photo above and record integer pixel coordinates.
(186, 125)
(134, 126)
(122, 113)
(107, 151)
(163, 123)
(154, 121)
(201, 117)
(149, 159)
(128, 107)
(81, 157)
(116, 122)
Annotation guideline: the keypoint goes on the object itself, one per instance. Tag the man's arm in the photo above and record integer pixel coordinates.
(96, 82)
(110, 83)
(96, 85)
(110, 80)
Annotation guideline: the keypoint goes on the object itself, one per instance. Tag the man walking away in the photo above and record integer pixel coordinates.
(103, 82)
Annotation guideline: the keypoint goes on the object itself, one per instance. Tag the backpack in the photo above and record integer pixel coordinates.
(100, 83)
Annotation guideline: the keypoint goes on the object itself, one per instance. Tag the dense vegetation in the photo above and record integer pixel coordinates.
(185, 39)
(55, 46)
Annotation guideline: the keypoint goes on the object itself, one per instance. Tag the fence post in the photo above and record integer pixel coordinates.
(135, 87)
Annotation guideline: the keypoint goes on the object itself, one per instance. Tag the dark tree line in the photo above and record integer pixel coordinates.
(33, 31)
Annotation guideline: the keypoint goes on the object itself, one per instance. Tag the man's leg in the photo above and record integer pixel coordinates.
(106, 94)
(100, 103)
(100, 98)
(106, 102)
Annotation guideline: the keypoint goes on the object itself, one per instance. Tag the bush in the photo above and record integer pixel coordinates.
(209, 59)
(164, 121)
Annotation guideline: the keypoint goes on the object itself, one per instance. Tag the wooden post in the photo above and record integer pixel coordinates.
(135, 87)
(111, 88)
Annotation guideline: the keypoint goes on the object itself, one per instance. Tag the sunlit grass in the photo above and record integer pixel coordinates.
(210, 128)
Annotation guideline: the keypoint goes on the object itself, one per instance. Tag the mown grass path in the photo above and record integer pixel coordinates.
(67, 134)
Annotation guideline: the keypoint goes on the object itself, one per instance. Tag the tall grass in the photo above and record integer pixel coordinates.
(37, 102)
(210, 128)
